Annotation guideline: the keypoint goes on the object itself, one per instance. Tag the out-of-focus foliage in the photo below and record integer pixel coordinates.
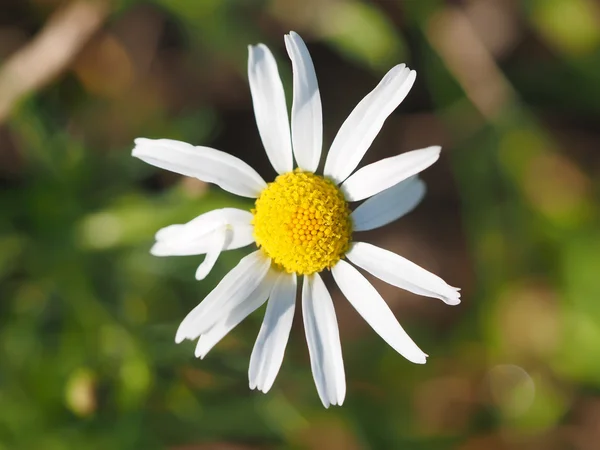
(87, 317)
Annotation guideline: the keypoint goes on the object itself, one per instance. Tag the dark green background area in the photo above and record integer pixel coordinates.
(510, 89)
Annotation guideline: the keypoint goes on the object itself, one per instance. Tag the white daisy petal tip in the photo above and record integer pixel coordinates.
(417, 358)
(157, 249)
(336, 401)
(201, 273)
(259, 385)
(180, 336)
(139, 142)
(200, 353)
(453, 300)
(332, 402)
(420, 359)
(264, 386)
(259, 388)
(451, 296)
(435, 149)
(145, 147)
(291, 35)
(185, 332)
(140, 147)
(216, 247)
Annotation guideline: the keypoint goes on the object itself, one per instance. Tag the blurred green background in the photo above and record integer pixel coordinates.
(510, 89)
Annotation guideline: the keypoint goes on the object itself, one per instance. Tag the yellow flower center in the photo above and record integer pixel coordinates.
(302, 222)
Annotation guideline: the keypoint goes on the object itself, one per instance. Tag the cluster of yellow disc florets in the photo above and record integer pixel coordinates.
(302, 222)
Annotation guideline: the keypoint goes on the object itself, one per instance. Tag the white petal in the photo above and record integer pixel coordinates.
(216, 247)
(204, 163)
(389, 205)
(269, 348)
(369, 304)
(205, 223)
(400, 272)
(365, 121)
(197, 236)
(234, 288)
(270, 108)
(238, 236)
(322, 335)
(388, 172)
(307, 120)
(256, 299)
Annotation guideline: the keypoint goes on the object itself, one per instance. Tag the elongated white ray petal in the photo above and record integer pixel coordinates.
(364, 123)
(388, 172)
(322, 335)
(307, 116)
(237, 236)
(220, 329)
(369, 304)
(204, 163)
(270, 108)
(234, 288)
(204, 223)
(400, 272)
(216, 246)
(389, 205)
(269, 348)
(197, 236)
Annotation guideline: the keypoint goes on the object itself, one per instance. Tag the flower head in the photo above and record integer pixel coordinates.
(301, 223)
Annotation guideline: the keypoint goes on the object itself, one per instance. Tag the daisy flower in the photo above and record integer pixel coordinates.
(301, 224)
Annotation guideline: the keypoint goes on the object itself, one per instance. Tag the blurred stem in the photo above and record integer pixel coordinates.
(50, 52)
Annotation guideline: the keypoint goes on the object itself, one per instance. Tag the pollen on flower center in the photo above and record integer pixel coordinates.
(302, 222)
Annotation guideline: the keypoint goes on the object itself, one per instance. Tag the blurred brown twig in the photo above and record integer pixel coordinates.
(50, 52)
(462, 50)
